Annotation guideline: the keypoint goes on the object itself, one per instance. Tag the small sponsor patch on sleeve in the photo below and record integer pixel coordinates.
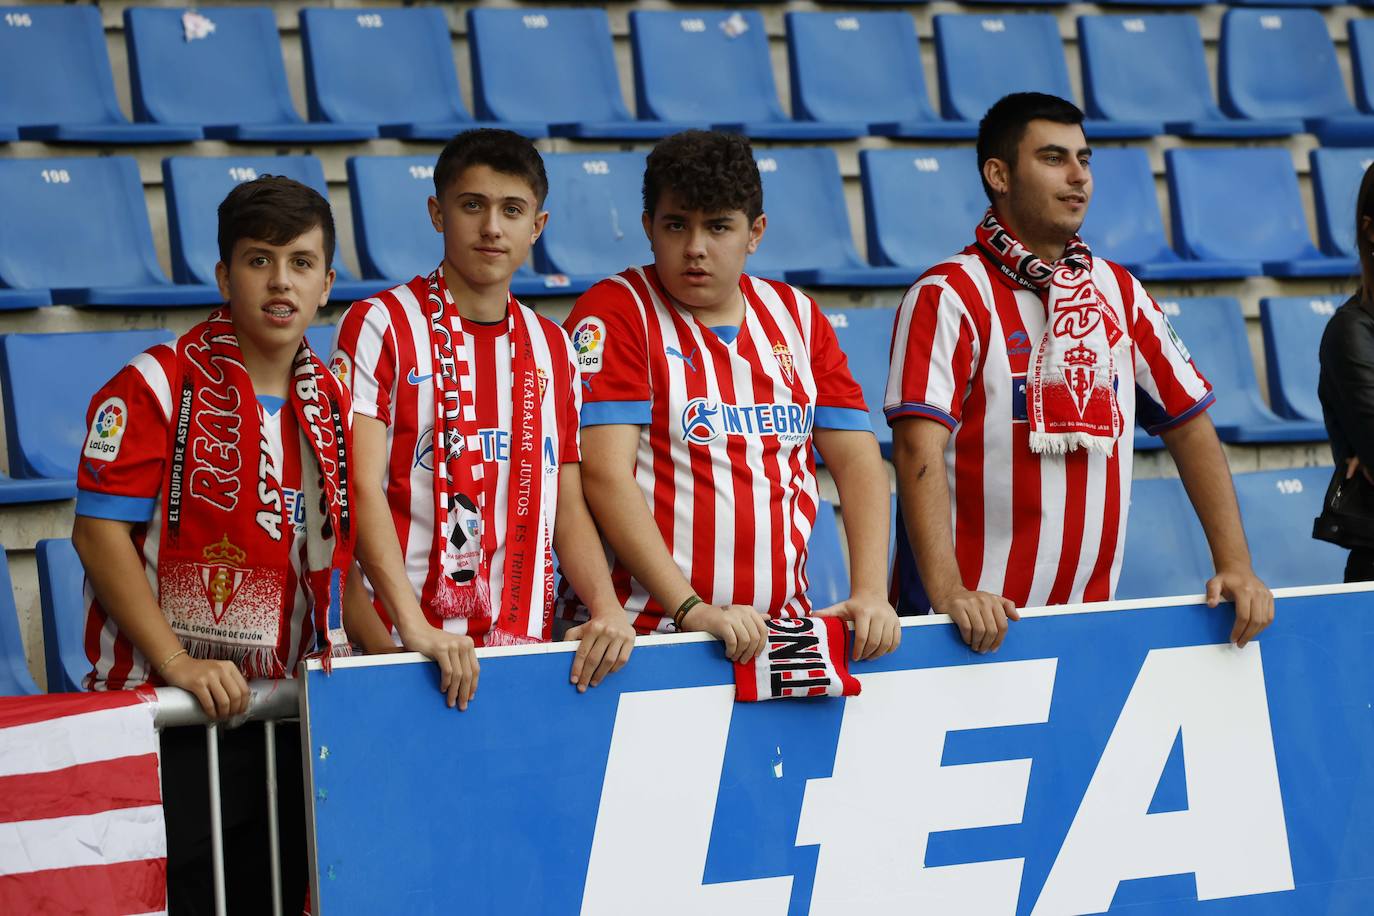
(107, 430)
(589, 341)
(341, 367)
(1177, 341)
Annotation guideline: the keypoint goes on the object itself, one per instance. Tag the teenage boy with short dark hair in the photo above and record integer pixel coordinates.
(705, 391)
(201, 571)
(467, 439)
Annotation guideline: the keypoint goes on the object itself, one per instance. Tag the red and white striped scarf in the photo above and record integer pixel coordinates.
(464, 534)
(1071, 386)
(805, 657)
(224, 557)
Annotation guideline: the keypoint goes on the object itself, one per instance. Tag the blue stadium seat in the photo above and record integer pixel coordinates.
(1277, 508)
(221, 68)
(808, 240)
(414, 97)
(1214, 329)
(1244, 205)
(1124, 223)
(1292, 327)
(195, 186)
(1361, 33)
(564, 74)
(85, 234)
(864, 67)
(982, 58)
(395, 238)
(320, 337)
(920, 206)
(8, 133)
(15, 680)
(48, 382)
(1282, 64)
(1166, 553)
(61, 583)
(865, 336)
(595, 228)
(58, 84)
(1336, 176)
(825, 567)
(1153, 68)
(736, 92)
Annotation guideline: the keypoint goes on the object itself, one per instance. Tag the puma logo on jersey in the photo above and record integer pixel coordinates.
(689, 360)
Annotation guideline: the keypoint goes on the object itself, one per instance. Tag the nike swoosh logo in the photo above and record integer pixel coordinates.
(417, 379)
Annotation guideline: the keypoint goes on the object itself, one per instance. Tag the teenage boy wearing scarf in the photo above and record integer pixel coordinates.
(467, 440)
(1019, 368)
(214, 523)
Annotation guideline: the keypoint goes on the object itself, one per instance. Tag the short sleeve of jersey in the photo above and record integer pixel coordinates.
(607, 336)
(839, 399)
(364, 358)
(125, 447)
(934, 350)
(1169, 388)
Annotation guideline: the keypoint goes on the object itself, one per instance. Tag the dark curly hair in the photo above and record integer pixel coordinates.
(708, 170)
(275, 210)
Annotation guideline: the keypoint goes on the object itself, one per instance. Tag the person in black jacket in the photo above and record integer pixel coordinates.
(1346, 384)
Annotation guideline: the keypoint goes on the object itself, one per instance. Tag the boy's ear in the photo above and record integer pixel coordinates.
(328, 287)
(222, 279)
(997, 174)
(541, 220)
(647, 222)
(436, 215)
(756, 232)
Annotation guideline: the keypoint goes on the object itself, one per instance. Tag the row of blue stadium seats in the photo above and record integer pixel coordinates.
(86, 238)
(47, 380)
(218, 72)
(1166, 554)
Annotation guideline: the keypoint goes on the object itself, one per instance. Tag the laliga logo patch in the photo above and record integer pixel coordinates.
(341, 367)
(107, 430)
(699, 421)
(588, 339)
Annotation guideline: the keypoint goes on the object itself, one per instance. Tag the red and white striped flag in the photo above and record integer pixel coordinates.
(81, 829)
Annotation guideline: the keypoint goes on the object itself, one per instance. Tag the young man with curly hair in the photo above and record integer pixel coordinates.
(705, 390)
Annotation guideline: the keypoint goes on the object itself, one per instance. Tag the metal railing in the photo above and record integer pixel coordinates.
(269, 701)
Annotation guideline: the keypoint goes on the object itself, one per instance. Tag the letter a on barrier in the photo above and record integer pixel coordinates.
(1232, 836)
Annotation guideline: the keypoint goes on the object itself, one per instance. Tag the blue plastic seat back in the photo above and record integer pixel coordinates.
(1124, 223)
(1277, 508)
(982, 58)
(418, 83)
(1361, 32)
(49, 380)
(15, 679)
(321, 340)
(808, 221)
(564, 70)
(856, 67)
(865, 336)
(737, 86)
(595, 207)
(826, 572)
(55, 67)
(1145, 68)
(61, 586)
(1279, 64)
(1213, 330)
(1336, 177)
(213, 66)
(1237, 205)
(196, 185)
(85, 224)
(1292, 327)
(920, 205)
(396, 240)
(1166, 553)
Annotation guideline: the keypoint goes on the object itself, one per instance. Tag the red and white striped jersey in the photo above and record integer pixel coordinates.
(724, 458)
(382, 352)
(121, 477)
(1038, 529)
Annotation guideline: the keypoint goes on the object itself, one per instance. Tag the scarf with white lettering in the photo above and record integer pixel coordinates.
(224, 560)
(464, 530)
(806, 657)
(1071, 383)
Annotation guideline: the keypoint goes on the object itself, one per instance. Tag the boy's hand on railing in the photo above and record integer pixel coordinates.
(218, 686)
(456, 657)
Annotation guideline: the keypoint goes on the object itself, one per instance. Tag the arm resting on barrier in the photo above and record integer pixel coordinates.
(857, 468)
(918, 454)
(1202, 466)
(116, 574)
(608, 462)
